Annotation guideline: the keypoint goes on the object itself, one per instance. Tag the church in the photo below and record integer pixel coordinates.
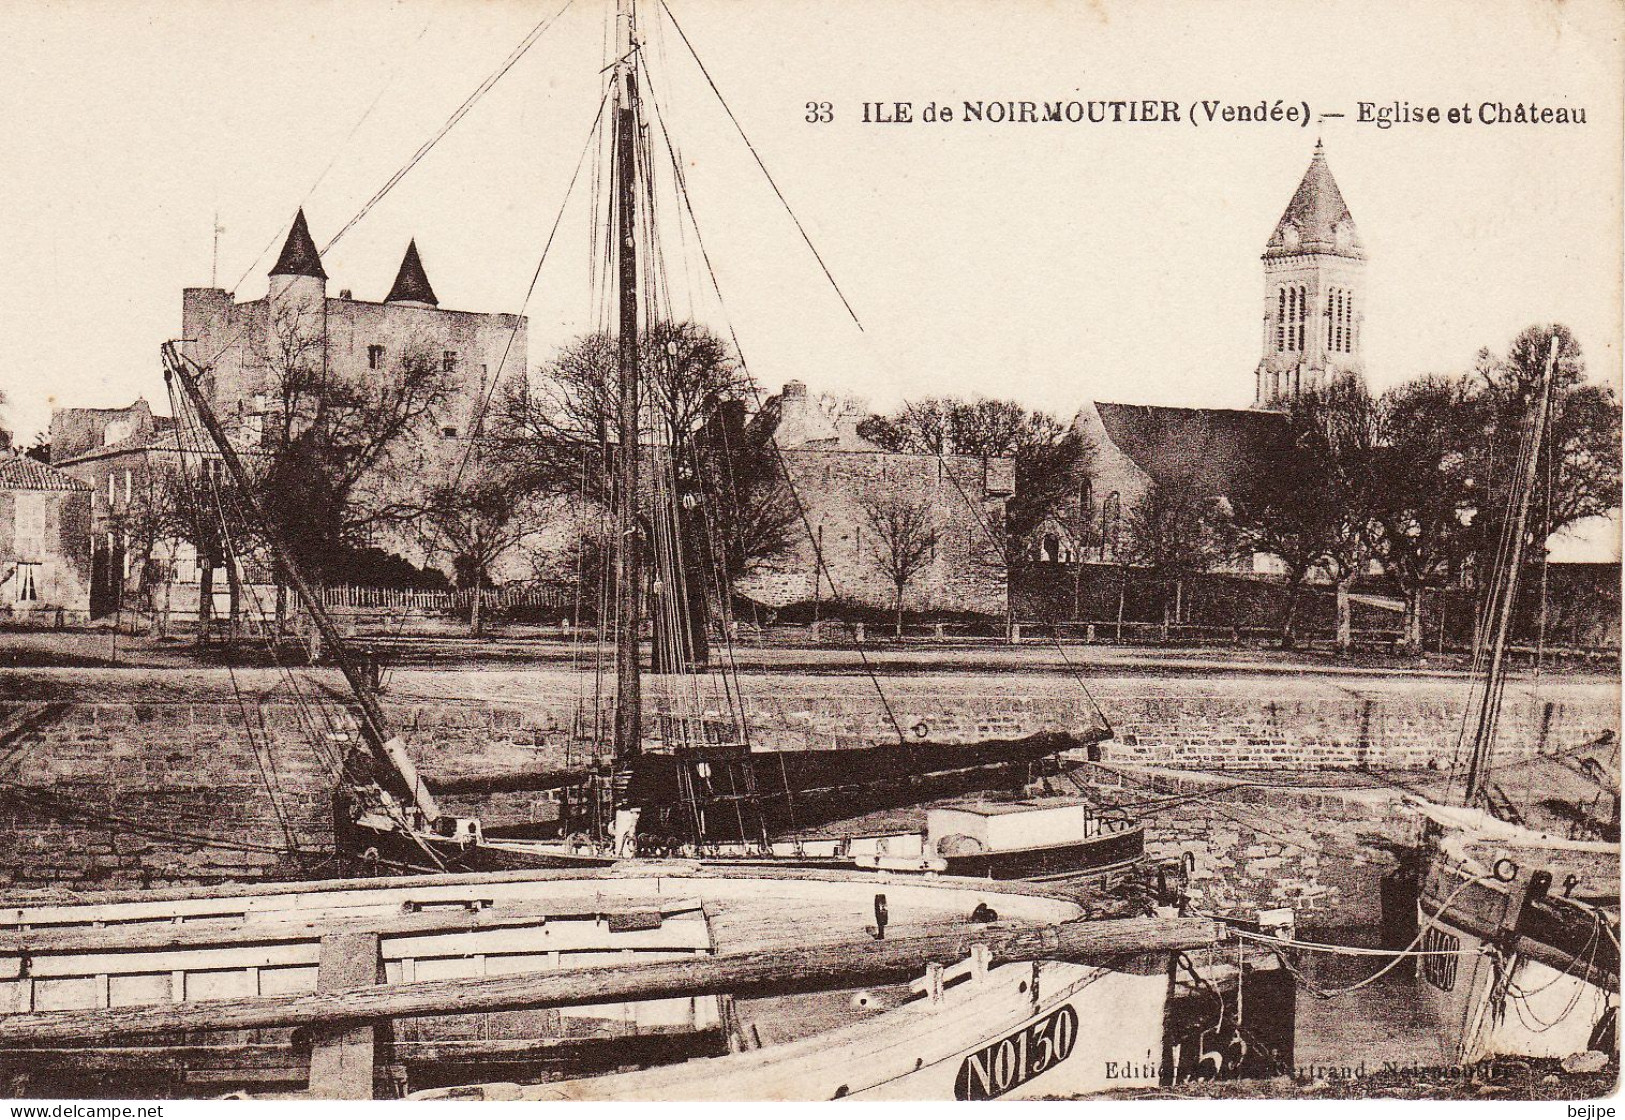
(1312, 329)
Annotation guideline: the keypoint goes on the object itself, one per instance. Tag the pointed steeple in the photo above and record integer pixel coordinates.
(411, 282)
(1317, 220)
(299, 256)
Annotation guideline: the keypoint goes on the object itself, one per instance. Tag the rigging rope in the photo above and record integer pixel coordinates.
(490, 389)
(723, 101)
(821, 566)
(451, 122)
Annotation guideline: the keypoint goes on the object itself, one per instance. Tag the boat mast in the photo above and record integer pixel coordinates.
(1489, 710)
(375, 731)
(628, 565)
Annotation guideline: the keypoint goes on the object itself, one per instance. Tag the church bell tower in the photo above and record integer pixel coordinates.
(1314, 292)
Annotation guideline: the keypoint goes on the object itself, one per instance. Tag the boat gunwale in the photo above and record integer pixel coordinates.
(12, 907)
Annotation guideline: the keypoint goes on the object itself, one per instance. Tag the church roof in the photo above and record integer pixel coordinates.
(18, 472)
(299, 256)
(1218, 451)
(411, 282)
(1315, 216)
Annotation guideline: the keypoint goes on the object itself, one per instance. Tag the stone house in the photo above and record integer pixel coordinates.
(132, 460)
(44, 543)
(845, 485)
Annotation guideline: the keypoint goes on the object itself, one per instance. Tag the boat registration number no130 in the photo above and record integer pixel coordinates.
(1001, 1066)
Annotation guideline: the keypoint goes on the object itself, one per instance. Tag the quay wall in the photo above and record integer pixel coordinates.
(1257, 842)
(112, 785)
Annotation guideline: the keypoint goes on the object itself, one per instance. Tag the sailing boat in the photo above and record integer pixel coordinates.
(1519, 927)
(747, 966)
(690, 785)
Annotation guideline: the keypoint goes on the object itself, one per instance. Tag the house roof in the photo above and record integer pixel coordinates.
(299, 256)
(1314, 215)
(161, 436)
(411, 282)
(18, 472)
(1219, 451)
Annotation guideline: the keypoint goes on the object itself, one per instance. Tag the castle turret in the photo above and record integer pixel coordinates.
(296, 326)
(411, 287)
(1314, 292)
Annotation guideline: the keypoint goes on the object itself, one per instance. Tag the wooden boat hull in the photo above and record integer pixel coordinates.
(1068, 863)
(183, 949)
(1012, 1032)
(1534, 976)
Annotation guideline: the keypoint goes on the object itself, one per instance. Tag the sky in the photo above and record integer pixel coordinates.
(1054, 263)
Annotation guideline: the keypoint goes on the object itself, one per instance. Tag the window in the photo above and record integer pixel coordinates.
(28, 583)
(1303, 316)
(448, 360)
(112, 489)
(30, 519)
(128, 485)
(449, 431)
(1340, 321)
(375, 356)
(1280, 320)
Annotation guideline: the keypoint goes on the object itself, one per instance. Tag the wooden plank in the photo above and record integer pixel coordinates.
(342, 1054)
(156, 936)
(810, 968)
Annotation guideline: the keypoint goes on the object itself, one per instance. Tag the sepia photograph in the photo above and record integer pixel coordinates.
(732, 551)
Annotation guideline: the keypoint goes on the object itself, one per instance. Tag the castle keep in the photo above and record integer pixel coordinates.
(249, 348)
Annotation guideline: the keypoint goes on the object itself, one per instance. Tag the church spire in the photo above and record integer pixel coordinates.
(411, 282)
(1317, 220)
(1314, 292)
(299, 256)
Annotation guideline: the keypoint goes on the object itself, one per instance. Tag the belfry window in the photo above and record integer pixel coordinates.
(1302, 316)
(1280, 319)
(375, 356)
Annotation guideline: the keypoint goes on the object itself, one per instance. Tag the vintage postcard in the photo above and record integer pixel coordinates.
(722, 550)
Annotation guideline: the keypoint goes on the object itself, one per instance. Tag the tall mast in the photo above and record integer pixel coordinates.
(628, 565)
(1478, 770)
(385, 746)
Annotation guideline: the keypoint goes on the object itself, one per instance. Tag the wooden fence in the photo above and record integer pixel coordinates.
(449, 601)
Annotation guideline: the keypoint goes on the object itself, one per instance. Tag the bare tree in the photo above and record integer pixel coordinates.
(735, 507)
(335, 446)
(1311, 503)
(562, 426)
(478, 519)
(903, 537)
(1428, 498)
(1579, 474)
(1176, 530)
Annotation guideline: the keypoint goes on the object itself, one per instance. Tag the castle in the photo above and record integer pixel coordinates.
(247, 348)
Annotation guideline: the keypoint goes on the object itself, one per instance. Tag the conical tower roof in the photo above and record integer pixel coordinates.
(299, 256)
(1317, 220)
(411, 282)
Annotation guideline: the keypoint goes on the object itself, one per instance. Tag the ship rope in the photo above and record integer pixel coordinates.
(1000, 546)
(457, 115)
(1283, 947)
(821, 566)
